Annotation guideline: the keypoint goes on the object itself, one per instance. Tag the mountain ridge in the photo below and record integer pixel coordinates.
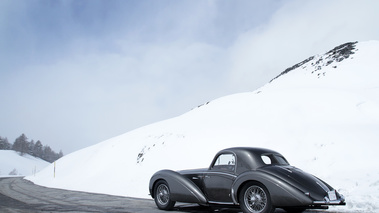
(337, 54)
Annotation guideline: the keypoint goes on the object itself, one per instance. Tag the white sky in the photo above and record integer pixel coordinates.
(75, 73)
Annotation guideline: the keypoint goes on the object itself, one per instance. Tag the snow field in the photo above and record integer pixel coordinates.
(16, 165)
(325, 124)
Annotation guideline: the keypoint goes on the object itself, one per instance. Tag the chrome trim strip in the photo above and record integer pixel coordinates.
(210, 172)
(222, 173)
(222, 203)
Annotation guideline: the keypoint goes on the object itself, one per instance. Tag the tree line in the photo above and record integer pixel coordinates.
(36, 149)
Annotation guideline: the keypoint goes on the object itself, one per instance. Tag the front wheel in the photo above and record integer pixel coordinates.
(162, 196)
(255, 198)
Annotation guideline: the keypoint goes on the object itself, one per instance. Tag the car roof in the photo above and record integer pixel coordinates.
(248, 158)
(253, 150)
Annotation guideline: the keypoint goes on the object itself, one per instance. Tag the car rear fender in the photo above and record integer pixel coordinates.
(181, 188)
(282, 194)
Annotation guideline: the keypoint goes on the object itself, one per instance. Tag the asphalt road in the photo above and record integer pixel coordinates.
(22, 196)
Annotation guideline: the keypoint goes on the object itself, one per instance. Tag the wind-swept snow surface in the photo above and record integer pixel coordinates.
(322, 115)
(12, 164)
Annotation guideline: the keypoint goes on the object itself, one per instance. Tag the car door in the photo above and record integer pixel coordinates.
(219, 179)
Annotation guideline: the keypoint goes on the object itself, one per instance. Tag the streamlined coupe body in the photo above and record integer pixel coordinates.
(258, 180)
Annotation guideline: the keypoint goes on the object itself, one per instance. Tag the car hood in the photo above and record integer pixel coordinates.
(305, 182)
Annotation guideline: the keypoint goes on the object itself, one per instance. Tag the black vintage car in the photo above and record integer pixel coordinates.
(256, 179)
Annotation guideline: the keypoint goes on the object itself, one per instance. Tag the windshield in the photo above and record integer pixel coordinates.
(273, 159)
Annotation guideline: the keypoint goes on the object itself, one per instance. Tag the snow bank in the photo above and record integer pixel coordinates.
(323, 116)
(12, 164)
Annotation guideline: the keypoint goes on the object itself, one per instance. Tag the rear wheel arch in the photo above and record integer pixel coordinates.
(248, 182)
(254, 197)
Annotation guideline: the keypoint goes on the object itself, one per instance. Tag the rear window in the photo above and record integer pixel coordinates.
(272, 159)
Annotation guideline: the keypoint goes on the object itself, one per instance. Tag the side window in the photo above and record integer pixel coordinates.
(225, 162)
(266, 159)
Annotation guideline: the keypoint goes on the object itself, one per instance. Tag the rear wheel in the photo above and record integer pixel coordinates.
(255, 198)
(162, 196)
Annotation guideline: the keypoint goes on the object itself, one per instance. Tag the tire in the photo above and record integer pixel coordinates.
(255, 198)
(162, 196)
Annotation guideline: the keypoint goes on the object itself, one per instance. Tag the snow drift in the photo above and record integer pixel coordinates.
(13, 164)
(321, 114)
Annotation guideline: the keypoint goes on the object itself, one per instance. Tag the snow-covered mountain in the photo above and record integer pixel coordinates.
(12, 164)
(321, 114)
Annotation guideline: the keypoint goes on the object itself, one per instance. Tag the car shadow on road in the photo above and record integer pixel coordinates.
(189, 208)
(192, 208)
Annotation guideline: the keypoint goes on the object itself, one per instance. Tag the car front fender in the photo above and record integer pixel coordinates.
(181, 188)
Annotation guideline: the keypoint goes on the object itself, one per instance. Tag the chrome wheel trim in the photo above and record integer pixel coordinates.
(163, 194)
(255, 199)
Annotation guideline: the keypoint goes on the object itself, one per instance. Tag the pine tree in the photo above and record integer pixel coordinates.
(48, 154)
(60, 154)
(21, 144)
(4, 144)
(31, 148)
(38, 149)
